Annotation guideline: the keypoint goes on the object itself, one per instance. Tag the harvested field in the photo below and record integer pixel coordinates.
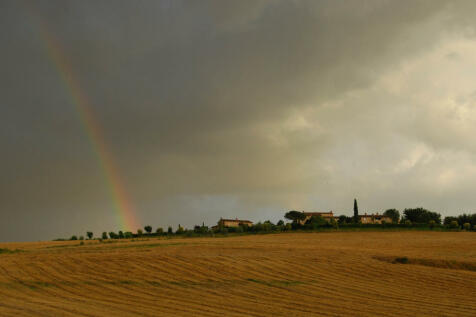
(301, 274)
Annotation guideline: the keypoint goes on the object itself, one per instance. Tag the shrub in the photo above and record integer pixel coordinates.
(467, 226)
(89, 234)
(128, 235)
(139, 232)
(170, 230)
(74, 238)
(159, 231)
(104, 235)
(401, 260)
(148, 229)
(408, 222)
(454, 224)
(431, 224)
(121, 234)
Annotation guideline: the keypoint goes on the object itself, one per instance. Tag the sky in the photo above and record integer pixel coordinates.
(121, 114)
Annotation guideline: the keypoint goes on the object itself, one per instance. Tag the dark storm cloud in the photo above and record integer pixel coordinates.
(211, 108)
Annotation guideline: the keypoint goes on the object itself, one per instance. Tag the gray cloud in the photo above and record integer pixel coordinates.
(234, 108)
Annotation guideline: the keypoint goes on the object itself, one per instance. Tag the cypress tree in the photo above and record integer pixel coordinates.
(356, 211)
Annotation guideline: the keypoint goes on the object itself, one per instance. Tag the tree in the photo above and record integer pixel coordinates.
(159, 231)
(104, 235)
(421, 215)
(89, 234)
(467, 226)
(112, 235)
(128, 235)
(170, 230)
(343, 219)
(467, 218)
(356, 211)
(180, 230)
(139, 232)
(120, 234)
(449, 219)
(316, 222)
(392, 213)
(280, 222)
(74, 238)
(148, 229)
(295, 216)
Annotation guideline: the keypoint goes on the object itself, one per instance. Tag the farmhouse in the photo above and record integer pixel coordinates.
(227, 223)
(326, 215)
(374, 218)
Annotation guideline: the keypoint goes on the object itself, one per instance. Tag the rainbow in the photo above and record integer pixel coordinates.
(126, 213)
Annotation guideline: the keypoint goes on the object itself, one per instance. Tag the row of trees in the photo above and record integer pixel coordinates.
(410, 217)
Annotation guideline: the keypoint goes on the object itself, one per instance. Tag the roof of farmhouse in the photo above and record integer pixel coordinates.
(235, 220)
(373, 215)
(316, 213)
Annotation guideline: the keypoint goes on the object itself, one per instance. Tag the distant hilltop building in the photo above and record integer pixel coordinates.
(227, 223)
(374, 218)
(326, 215)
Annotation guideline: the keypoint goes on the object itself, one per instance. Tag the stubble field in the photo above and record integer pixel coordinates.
(300, 274)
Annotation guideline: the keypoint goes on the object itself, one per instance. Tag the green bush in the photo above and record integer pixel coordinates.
(454, 224)
(74, 238)
(467, 226)
(431, 224)
(401, 260)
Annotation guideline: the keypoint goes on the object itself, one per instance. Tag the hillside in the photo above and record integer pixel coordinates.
(330, 274)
